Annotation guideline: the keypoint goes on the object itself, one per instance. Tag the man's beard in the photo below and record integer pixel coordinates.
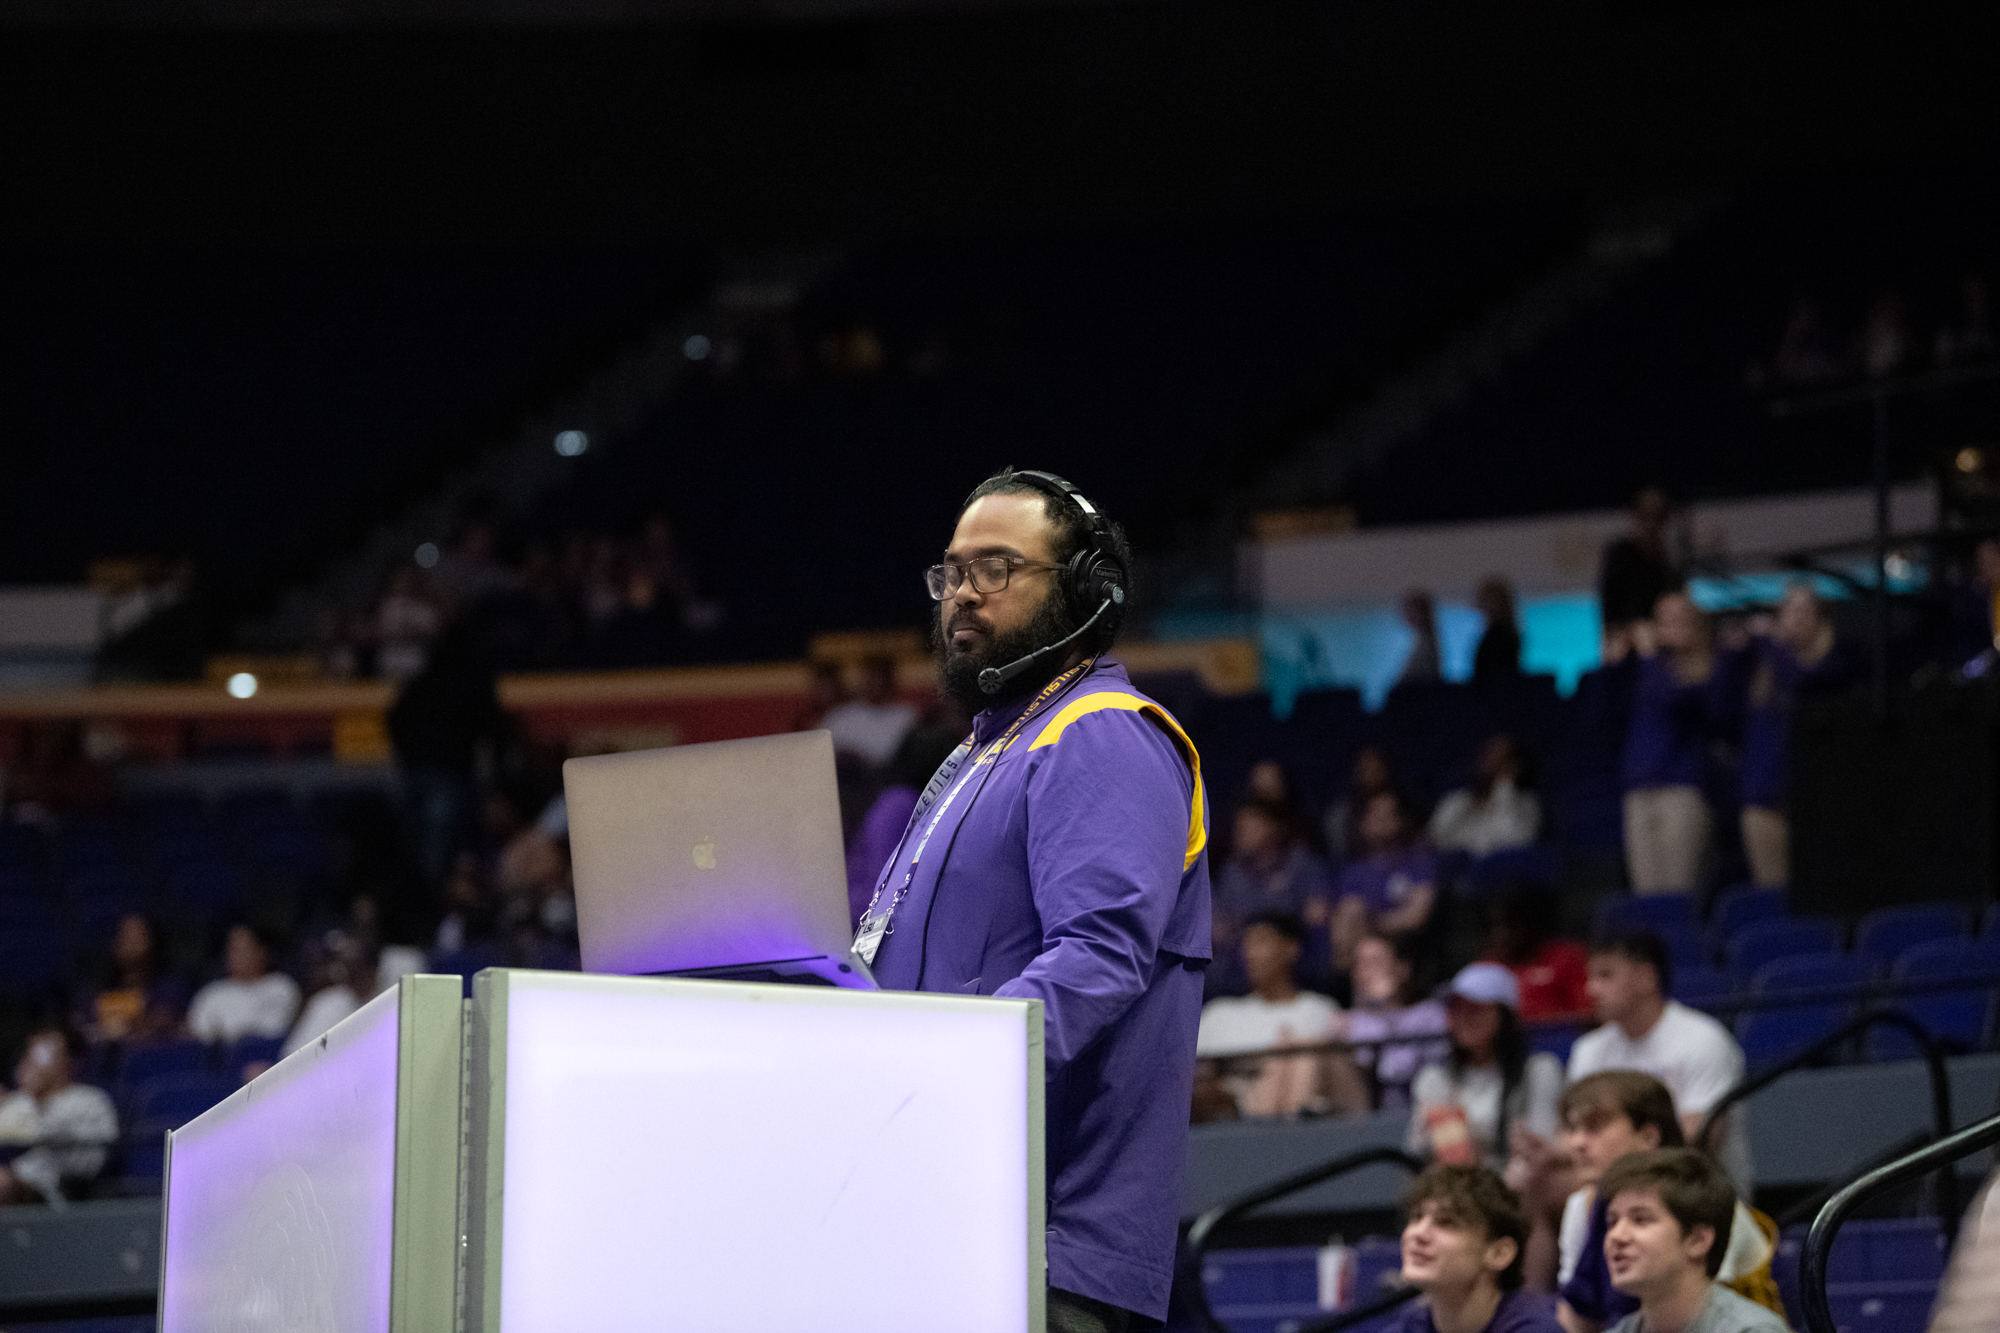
(958, 671)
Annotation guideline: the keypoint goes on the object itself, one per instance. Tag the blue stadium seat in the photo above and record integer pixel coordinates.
(1744, 905)
(1890, 1307)
(1768, 941)
(1704, 987)
(1554, 1038)
(1827, 988)
(179, 1098)
(1663, 912)
(250, 1050)
(1883, 935)
(145, 1063)
(1960, 1015)
(1540, 864)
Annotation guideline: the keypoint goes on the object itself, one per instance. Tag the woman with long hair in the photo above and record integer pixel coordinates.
(1491, 1091)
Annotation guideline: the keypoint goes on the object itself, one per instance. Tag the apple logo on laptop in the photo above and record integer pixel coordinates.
(704, 855)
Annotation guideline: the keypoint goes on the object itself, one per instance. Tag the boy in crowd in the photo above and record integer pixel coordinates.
(1669, 1215)
(1605, 1118)
(1462, 1248)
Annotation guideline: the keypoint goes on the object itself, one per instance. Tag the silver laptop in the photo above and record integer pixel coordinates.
(721, 860)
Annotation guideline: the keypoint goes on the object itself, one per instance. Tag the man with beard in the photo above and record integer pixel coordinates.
(1058, 856)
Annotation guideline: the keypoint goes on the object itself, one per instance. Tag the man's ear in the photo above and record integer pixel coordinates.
(1650, 1136)
(1500, 1254)
(1696, 1244)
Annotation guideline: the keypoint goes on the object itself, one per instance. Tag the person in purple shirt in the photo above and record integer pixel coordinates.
(1059, 855)
(1680, 704)
(1794, 656)
(1390, 888)
(1462, 1249)
(1270, 869)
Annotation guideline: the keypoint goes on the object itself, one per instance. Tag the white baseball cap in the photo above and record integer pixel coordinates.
(1487, 983)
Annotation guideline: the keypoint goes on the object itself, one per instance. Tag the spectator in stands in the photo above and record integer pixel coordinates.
(406, 620)
(347, 974)
(1636, 572)
(921, 754)
(249, 999)
(1269, 869)
(1423, 665)
(1372, 775)
(1470, 1109)
(1971, 339)
(872, 726)
(1797, 657)
(63, 1130)
(1391, 888)
(1679, 706)
(1270, 781)
(1631, 976)
(1274, 1016)
(1606, 1117)
(141, 1000)
(1462, 1247)
(1668, 1218)
(1497, 659)
(1407, 1035)
(1496, 812)
(444, 725)
(1554, 974)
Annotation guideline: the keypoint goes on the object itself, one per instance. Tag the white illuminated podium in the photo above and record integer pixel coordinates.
(570, 1152)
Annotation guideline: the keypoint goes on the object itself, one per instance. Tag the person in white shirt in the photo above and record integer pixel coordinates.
(872, 726)
(1470, 1110)
(1275, 1015)
(1691, 1053)
(65, 1127)
(350, 976)
(1496, 812)
(250, 1000)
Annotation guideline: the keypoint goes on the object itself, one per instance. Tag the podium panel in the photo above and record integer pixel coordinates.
(323, 1196)
(660, 1154)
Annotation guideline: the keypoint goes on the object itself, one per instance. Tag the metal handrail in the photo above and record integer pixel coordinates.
(1819, 1240)
(1934, 1060)
(1205, 1225)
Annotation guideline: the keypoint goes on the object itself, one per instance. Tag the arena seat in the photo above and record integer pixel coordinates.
(1961, 1016)
(1742, 905)
(1704, 987)
(1827, 987)
(179, 1098)
(1767, 941)
(1664, 912)
(145, 1063)
(1883, 935)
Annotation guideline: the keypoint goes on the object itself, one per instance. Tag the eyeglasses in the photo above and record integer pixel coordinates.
(989, 573)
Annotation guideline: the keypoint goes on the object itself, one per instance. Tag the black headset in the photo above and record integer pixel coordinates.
(1093, 575)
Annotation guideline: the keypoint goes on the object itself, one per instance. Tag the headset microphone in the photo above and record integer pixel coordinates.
(992, 678)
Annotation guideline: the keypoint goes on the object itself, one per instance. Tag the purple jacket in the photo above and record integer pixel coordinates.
(1070, 868)
(1520, 1311)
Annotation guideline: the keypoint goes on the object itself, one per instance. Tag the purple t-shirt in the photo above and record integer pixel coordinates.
(1070, 867)
(1520, 1311)
(1384, 880)
(1589, 1290)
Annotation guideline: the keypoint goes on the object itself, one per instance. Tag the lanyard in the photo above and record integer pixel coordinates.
(873, 928)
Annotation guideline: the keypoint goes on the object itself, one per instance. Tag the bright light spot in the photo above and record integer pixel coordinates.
(242, 685)
(1899, 566)
(570, 443)
(697, 347)
(427, 555)
(1969, 460)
